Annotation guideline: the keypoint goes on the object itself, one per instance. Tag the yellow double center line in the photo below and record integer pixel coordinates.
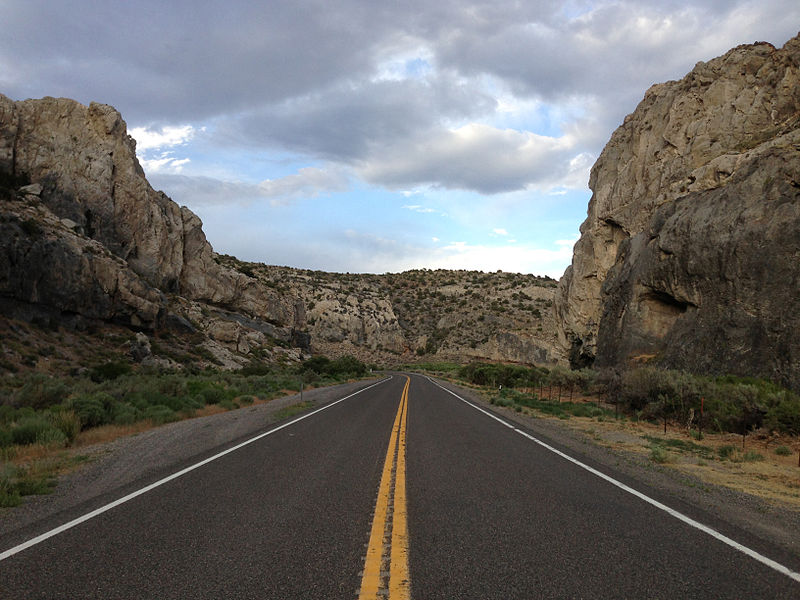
(386, 564)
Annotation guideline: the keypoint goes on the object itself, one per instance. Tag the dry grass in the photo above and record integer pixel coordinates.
(109, 433)
(756, 470)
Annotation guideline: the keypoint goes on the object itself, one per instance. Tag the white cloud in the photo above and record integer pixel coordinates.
(500, 231)
(309, 182)
(165, 162)
(154, 147)
(478, 157)
(379, 254)
(149, 139)
(425, 210)
(527, 258)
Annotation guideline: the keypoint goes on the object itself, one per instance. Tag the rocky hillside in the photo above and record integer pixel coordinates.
(449, 315)
(88, 242)
(87, 245)
(689, 254)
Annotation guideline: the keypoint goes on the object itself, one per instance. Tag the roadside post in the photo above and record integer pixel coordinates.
(702, 400)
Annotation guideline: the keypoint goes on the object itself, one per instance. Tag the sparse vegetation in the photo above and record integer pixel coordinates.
(39, 409)
(783, 451)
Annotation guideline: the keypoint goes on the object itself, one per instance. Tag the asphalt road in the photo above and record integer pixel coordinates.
(491, 514)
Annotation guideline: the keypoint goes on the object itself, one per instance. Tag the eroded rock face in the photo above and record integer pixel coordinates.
(689, 252)
(46, 264)
(84, 165)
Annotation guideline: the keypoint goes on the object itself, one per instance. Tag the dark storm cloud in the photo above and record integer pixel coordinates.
(355, 120)
(305, 76)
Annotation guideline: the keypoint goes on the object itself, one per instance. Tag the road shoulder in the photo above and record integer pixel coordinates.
(774, 523)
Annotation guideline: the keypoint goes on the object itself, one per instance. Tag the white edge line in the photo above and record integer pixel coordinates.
(90, 515)
(671, 511)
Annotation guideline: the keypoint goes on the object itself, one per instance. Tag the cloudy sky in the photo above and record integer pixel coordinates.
(375, 135)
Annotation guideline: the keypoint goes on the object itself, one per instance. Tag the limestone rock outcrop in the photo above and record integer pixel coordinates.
(84, 169)
(689, 253)
(50, 268)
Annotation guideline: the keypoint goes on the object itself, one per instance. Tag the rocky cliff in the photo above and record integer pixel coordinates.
(89, 238)
(85, 163)
(689, 253)
(84, 239)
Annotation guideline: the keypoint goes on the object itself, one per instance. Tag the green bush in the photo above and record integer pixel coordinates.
(68, 422)
(109, 371)
(160, 414)
(37, 429)
(41, 391)
(9, 495)
(341, 368)
(644, 386)
(783, 451)
(784, 413)
(7, 414)
(124, 414)
(213, 395)
(52, 437)
(93, 410)
(659, 455)
(6, 437)
(752, 456)
(509, 376)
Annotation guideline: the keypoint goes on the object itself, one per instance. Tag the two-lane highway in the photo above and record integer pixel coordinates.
(403, 477)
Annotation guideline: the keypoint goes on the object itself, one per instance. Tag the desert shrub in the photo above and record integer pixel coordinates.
(784, 413)
(6, 438)
(734, 407)
(212, 395)
(347, 366)
(341, 368)
(9, 495)
(124, 414)
(109, 371)
(255, 368)
(752, 456)
(93, 409)
(52, 437)
(783, 451)
(35, 429)
(41, 391)
(160, 414)
(68, 423)
(508, 376)
(7, 414)
(659, 455)
(640, 387)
